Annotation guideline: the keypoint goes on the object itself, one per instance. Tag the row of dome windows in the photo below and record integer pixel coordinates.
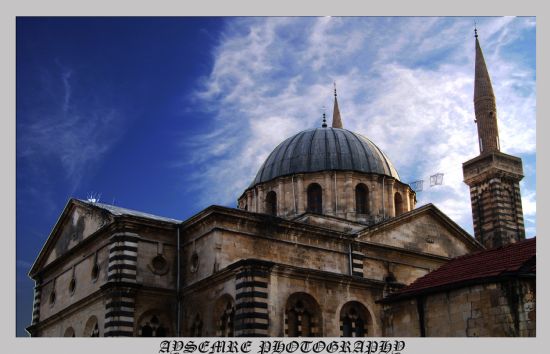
(315, 200)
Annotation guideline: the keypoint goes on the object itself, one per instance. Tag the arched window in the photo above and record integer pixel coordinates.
(303, 316)
(354, 320)
(361, 199)
(153, 324)
(225, 316)
(398, 204)
(315, 198)
(271, 203)
(69, 332)
(92, 327)
(196, 327)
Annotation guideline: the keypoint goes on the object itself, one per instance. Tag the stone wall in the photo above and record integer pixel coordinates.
(500, 309)
(495, 197)
(232, 239)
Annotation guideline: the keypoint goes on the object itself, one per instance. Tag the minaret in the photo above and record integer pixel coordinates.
(485, 105)
(336, 118)
(493, 177)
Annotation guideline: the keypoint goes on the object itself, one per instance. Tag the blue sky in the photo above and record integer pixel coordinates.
(170, 115)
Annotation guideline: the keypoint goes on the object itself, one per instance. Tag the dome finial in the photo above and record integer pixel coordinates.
(336, 118)
(324, 118)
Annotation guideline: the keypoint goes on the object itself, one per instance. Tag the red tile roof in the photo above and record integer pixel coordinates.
(514, 259)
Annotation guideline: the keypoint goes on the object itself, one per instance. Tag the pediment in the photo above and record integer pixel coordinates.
(77, 222)
(426, 230)
(330, 222)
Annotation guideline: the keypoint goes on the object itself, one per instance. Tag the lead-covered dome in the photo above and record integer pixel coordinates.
(325, 149)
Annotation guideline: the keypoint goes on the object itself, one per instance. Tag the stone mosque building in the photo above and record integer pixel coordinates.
(325, 241)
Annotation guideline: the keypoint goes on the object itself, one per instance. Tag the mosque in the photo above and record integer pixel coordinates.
(325, 241)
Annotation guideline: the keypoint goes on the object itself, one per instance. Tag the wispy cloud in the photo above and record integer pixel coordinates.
(73, 131)
(410, 91)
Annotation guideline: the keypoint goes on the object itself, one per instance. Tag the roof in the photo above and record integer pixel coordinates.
(427, 208)
(118, 211)
(113, 210)
(514, 259)
(323, 149)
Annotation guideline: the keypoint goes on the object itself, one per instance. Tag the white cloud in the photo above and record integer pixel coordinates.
(406, 83)
(77, 134)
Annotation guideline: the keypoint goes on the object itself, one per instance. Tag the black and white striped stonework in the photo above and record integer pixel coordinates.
(119, 314)
(122, 268)
(36, 305)
(123, 258)
(303, 324)
(251, 317)
(352, 328)
(357, 263)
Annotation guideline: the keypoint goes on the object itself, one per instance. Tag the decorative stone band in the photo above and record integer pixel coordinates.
(36, 305)
(119, 313)
(251, 315)
(123, 258)
(357, 263)
(122, 269)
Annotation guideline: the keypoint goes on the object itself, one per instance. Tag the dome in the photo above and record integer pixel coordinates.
(323, 149)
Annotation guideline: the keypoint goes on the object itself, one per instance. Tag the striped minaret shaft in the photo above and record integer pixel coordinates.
(119, 309)
(251, 316)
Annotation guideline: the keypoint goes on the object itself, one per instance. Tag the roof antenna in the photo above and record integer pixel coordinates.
(324, 118)
(93, 197)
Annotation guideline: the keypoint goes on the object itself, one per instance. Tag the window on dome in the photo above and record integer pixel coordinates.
(271, 203)
(315, 198)
(361, 199)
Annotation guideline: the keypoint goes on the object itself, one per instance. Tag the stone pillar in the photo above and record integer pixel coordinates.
(381, 205)
(260, 196)
(410, 195)
(251, 316)
(328, 194)
(348, 201)
(301, 195)
(249, 200)
(281, 205)
(121, 285)
(390, 191)
(371, 184)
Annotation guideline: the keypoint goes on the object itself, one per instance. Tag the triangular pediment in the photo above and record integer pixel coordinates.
(427, 230)
(77, 222)
(329, 222)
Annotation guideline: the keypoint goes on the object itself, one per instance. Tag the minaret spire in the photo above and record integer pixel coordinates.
(484, 105)
(336, 118)
(493, 177)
